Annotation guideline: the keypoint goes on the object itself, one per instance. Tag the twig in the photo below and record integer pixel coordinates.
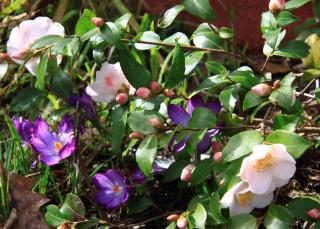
(306, 87)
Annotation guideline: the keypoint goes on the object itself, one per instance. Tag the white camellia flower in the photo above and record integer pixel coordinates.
(110, 80)
(268, 167)
(240, 200)
(23, 36)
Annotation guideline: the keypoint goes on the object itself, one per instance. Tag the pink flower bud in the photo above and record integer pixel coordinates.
(136, 135)
(216, 147)
(277, 84)
(155, 87)
(20, 54)
(98, 21)
(186, 173)
(182, 222)
(262, 89)
(155, 122)
(169, 93)
(276, 5)
(217, 156)
(314, 213)
(122, 98)
(143, 93)
(173, 217)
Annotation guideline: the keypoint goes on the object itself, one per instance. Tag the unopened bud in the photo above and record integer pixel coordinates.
(314, 213)
(5, 57)
(97, 21)
(155, 87)
(20, 54)
(186, 173)
(143, 93)
(173, 217)
(277, 84)
(216, 147)
(262, 89)
(169, 93)
(155, 122)
(217, 156)
(63, 226)
(122, 98)
(276, 5)
(182, 222)
(136, 135)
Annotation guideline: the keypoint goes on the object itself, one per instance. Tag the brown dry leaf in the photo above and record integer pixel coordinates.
(27, 203)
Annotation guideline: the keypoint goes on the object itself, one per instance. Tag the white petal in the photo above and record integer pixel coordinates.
(230, 196)
(32, 65)
(259, 182)
(260, 151)
(283, 170)
(261, 201)
(100, 93)
(279, 152)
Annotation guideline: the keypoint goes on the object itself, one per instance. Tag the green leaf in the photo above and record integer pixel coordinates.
(283, 97)
(199, 8)
(53, 216)
(202, 118)
(41, 72)
(138, 205)
(73, 208)
(48, 40)
(27, 99)
(251, 100)
(118, 124)
(213, 82)
(84, 24)
(136, 74)
(138, 121)
(245, 78)
(179, 38)
(285, 122)
(313, 59)
(192, 60)
(216, 68)
(205, 37)
(278, 217)
(296, 145)
(229, 96)
(244, 221)
(202, 171)
(241, 144)
(147, 36)
(225, 33)
(146, 154)
(61, 83)
(111, 34)
(200, 216)
(3, 70)
(285, 18)
(170, 15)
(123, 21)
(174, 171)
(301, 205)
(294, 4)
(268, 22)
(214, 209)
(176, 72)
(293, 49)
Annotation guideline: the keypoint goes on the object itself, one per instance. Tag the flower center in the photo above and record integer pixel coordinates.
(108, 80)
(58, 146)
(116, 188)
(244, 198)
(265, 163)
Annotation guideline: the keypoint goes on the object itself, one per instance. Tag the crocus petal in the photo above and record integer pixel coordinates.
(67, 150)
(283, 170)
(195, 102)
(204, 144)
(215, 107)
(101, 181)
(50, 159)
(104, 196)
(261, 201)
(66, 125)
(45, 148)
(178, 115)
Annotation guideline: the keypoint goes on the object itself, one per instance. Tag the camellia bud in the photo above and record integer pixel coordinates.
(277, 84)
(262, 89)
(122, 98)
(156, 123)
(276, 5)
(314, 213)
(97, 21)
(63, 226)
(217, 156)
(5, 57)
(182, 222)
(169, 93)
(186, 173)
(143, 93)
(173, 217)
(136, 135)
(20, 54)
(155, 87)
(216, 147)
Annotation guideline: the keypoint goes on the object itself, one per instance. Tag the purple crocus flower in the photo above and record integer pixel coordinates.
(113, 189)
(24, 128)
(160, 164)
(137, 175)
(84, 102)
(180, 116)
(53, 147)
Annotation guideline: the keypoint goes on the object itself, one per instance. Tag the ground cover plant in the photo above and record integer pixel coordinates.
(113, 118)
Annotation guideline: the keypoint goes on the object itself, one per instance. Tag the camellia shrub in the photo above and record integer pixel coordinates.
(130, 123)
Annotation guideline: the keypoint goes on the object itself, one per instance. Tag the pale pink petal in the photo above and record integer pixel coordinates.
(229, 197)
(283, 170)
(259, 182)
(261, 201)
(260, 151)
(279, 152)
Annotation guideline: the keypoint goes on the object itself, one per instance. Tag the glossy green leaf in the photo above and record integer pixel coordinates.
(229, 97)
(202, 171)
(244, 221)
(53, 216)
(119, 120)
(216, 68)
(199, 8)
(225, 33)
(283, 97)
(146, 154)
(177, 37)
(61, 82)
(138, 121)
(174, 170)
(213, 82)
(27, 99)
(111, 34)
(41, 71)
(205, 37)
(278, 217)
(138, 205)
(200, 216)
(202, 118)
(245, 78)
(268, 22)
(73, 208)
(84, 24)
(293, 49)
(192, 60)
(313, 59)
(123, 21)
(285, 122)
(170, 15)
(214, 209)
(148, 36)
(301, 205)
(46, 41)
(285, 18)
(251, 100)
(294, 4)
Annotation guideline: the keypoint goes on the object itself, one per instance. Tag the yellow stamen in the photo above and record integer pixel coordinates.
(265, 163)
(58, 146)
(244, 198)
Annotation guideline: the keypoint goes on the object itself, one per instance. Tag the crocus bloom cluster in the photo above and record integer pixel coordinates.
(113, 189)
(23, 36)
(180, 116)
(110, 81)
(267, 168)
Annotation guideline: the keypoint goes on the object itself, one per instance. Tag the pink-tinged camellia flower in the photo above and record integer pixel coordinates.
(113, 189)
(110, 81)
(268, 167)
(23, 36)
(53, 147)
(240, 200)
